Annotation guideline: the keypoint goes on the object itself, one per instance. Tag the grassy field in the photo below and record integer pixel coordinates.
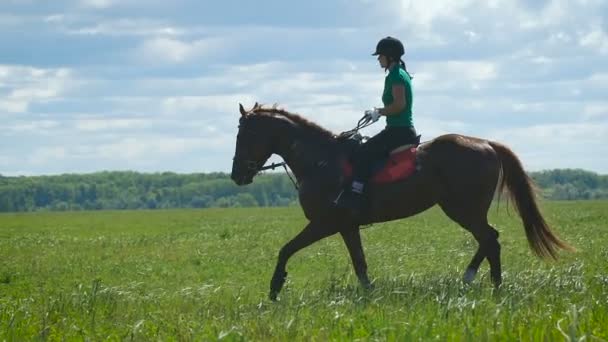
(204, 275)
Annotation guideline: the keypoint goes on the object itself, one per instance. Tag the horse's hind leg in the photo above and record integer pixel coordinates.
(489, 248)
(492, 249)
(486, 236)
(471, 272)
(467, 200)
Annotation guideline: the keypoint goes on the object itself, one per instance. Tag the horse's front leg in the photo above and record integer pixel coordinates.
(352, 239)
(313, 232)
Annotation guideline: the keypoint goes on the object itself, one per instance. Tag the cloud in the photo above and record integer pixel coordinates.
(98, 4)
(422, 15)
(94, 125)
(44, 155)
(132, 148)
(595, 39)
(169, 50)
(561, 134)
(595, 111)
(11, 20)
(117, 85)
(203, 106)
(39, 126)
(13, 106)
(123, 27)
(522, 15)
(567, 145)
(28, 85)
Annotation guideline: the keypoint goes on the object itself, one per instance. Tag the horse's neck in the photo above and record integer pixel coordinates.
(305, 152)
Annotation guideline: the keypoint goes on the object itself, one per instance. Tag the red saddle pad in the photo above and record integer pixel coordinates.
(398, 166)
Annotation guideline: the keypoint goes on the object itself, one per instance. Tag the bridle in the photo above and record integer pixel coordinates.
(254, 167)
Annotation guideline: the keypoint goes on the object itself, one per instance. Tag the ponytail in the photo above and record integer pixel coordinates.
(402, 63)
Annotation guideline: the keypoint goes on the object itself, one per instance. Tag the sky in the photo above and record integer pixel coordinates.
(154, 86)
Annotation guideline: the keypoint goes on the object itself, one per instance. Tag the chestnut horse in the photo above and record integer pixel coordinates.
(459, 173)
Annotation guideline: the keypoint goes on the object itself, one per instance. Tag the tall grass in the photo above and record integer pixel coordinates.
(204, 274)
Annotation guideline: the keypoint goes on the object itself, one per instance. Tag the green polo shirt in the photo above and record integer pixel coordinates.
(397, 75)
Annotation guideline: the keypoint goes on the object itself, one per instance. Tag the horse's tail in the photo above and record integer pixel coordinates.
(541, 239)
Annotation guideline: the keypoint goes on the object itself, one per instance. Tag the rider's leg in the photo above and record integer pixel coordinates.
(352, 196)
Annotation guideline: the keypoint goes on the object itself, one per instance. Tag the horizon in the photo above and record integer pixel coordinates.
(227, 173)
(90, 86)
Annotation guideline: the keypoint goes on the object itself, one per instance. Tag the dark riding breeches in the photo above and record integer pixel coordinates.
(377, 147)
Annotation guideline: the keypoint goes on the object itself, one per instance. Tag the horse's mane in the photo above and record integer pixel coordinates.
(295, 118)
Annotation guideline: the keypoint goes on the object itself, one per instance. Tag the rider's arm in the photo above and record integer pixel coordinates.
(398, 104)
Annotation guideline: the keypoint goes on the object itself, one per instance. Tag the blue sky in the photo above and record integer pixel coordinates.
(91, 85)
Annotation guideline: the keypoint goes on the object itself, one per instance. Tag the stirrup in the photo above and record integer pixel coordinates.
(337, 200)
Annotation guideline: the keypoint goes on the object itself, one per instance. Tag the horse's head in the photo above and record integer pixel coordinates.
(253, 145)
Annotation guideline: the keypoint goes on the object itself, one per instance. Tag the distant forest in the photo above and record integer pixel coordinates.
(133, 190)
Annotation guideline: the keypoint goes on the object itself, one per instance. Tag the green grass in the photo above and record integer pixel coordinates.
(204, 275)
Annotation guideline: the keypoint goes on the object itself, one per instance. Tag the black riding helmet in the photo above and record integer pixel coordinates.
(390, 47)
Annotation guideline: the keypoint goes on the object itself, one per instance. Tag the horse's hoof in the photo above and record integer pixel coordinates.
(367, 286)
(496, 280)
(276, 284)
(469, 276)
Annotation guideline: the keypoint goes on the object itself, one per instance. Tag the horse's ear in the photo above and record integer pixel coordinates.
(242, 110)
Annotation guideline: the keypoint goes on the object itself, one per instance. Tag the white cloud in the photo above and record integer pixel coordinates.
(98, 4)
(560, 38)
(9, 20)
(430, 127)
(547, 146)
(556, 134)
(12, 106)
(599, 79)
(54, 18)
(203, 106)
(154, 88)
(169, 50)
(553, 13)
(45, 155)
(93, 125)
(27, 85)
(35, 126)
(595, 111)
(595, 39)
(150, 147)
(472, 36)
(128, 27)
(446, 77)
(423, 14)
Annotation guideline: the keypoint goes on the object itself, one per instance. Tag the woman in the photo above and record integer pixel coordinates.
(397, 99)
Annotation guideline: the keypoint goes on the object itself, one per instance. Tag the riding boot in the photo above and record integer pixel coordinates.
(352, 199)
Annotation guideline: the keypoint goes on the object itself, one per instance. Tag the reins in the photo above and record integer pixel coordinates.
(284, 165)
(365, 121)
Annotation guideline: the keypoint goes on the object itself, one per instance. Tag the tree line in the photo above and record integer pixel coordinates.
(133, 190)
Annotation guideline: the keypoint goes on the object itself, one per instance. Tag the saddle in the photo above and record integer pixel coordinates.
(400, 163)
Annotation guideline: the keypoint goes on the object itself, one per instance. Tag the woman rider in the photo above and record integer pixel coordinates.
(397, 99)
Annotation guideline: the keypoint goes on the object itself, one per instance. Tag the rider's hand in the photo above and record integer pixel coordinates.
(373, 114)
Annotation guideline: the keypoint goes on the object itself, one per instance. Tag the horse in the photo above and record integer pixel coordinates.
(459, 173)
